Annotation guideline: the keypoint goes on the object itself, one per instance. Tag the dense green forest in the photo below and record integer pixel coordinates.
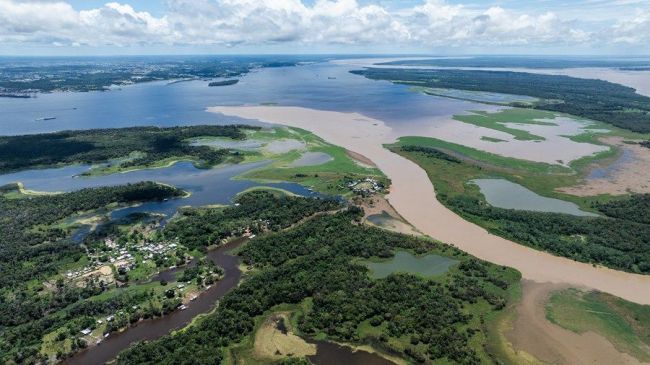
(617, 242)
(258, 211)
(599, 100)
(32, 248)
(418, 318)
(223, 83)
(102, 145)
(431, 152)
(524, 62)
(620, 239)
(30, 255)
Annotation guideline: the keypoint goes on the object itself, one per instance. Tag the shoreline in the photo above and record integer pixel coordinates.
(413, 197)
(534, 334)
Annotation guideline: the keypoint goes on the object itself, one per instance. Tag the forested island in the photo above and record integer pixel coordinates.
(619, 239)
(223, 83)
(136, 146)
(594, 99)
(538, 62)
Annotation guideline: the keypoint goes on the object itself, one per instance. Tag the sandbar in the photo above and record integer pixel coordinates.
(533, 333)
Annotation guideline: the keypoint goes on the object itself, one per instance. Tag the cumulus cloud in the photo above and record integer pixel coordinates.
(263, 22)
(635, 31)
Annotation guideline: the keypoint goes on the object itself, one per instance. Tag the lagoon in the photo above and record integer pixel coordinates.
(405, 262)
(206, 186)
(504, 194)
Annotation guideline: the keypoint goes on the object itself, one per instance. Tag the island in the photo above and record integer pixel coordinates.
(223, 83)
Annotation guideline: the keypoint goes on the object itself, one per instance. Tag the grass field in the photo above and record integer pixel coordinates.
(492, 139)
(483, 157)
(327, 178)
(498, 121)
(626, 325)
(544, 179)
(254, 349)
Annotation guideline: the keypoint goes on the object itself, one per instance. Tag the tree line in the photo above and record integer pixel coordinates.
(594, 99)
(102, 145)
(316, 259)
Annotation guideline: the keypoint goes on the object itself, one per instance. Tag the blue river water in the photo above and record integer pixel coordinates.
(324, 86)
(207, 186)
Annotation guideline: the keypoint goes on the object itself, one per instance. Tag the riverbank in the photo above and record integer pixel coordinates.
(151, 329)
(533, 333)
(414, 197)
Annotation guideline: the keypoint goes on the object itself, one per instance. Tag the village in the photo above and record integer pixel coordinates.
(107, 267)
(365, 187)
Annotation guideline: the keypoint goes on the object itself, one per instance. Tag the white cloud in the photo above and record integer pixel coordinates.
(634, 31)
(432, 23)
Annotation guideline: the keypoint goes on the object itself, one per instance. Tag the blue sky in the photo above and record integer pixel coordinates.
(53, 27)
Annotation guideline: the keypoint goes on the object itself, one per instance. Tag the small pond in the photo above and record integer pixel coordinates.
(329, 353)
(610, 171)
(311, 159)
(405, 262)
(504, 194)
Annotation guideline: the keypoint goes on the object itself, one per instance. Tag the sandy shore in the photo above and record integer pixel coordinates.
(550, 343)
(413, 196)
(630, 175)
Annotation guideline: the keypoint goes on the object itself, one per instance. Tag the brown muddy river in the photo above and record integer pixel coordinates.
(158, 327)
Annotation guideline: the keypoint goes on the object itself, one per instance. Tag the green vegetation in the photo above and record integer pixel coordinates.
(492, 139)
(331, 177)
(223, 83)
(620, 240)
(42, 310)
(256, 212)
(587, 98)
(145, 145)
(478, 96)
(497, 121)
(419, 319)
(626, 325)
(456, 151)
(33, 246)
(524, 62)
(634, 209)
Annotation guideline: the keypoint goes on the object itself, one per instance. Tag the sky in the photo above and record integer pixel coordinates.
(96, 27)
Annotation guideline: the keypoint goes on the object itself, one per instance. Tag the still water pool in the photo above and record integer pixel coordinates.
(405, 262)
(207, 186)
(502, 193)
